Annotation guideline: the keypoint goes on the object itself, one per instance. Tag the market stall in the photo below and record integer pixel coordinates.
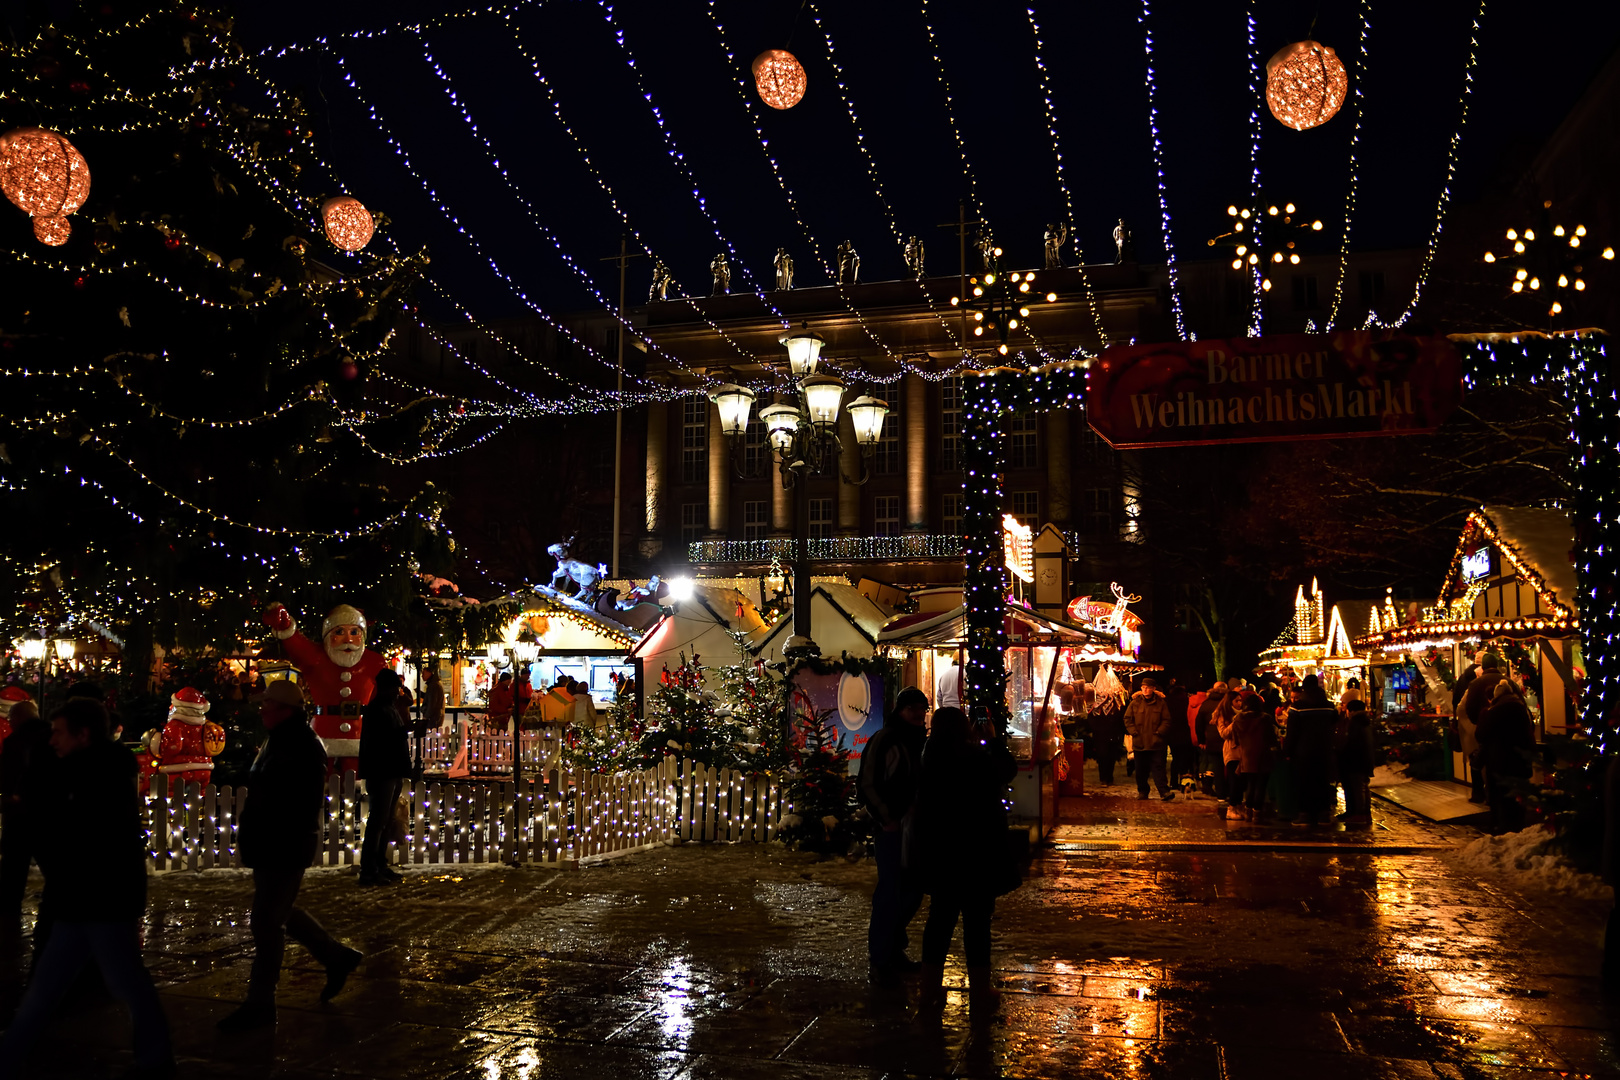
(1317, 641)
(1510, 589)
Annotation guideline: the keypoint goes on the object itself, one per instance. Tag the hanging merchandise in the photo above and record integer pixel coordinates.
(1109, 692)
(779, 77)
(47, 177)
(1305, 84)
(349, 224)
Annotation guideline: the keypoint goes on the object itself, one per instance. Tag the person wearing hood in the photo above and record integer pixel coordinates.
(1148, 722)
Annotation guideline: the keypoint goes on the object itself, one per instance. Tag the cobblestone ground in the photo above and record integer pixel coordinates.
(1226, 961)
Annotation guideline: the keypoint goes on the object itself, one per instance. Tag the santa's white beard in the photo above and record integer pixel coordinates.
(345, 656)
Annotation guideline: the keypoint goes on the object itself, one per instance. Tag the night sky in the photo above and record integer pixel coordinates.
(1532, 67)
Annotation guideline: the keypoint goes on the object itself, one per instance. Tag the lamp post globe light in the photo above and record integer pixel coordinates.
(803, 438)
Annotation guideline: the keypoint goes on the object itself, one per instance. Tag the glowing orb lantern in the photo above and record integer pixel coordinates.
(348, 223)
(46, 177)
(779, 77)
(1305, 84)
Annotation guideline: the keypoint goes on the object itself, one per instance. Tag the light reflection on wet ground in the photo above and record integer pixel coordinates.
(741, 962)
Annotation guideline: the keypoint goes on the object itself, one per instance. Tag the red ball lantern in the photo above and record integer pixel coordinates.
(348, 223)
(1305, 84)
(779, 77)
(46, 176)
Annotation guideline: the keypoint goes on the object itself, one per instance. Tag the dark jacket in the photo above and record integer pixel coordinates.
(1507, 737)
(1180, 735)
(957, 838)
(1148, 720)
(280, 824)
(1309, 743)
(1205, 718)
(1255, 737)
(92, 840)
(385, 746)
(26, 760)
(1356, 756)
(890, 764)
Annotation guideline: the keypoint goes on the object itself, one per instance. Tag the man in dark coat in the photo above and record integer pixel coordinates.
(1506, 735)
(1183, 760)
(1148, 722)
(279, 835)
(891, 764)
(93, 852)
(1107, 742)
(1475, 700)
(1309, 748)
(25, 761)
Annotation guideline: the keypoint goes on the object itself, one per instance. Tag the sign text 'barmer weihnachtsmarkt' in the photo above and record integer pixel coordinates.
(1292, 386)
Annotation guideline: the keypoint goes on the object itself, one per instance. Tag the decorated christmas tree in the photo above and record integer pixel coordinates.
(193, 317)
(820, 811)
(751, 713)
(614, 745)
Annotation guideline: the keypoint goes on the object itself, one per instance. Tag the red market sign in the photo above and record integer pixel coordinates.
(1283, 388)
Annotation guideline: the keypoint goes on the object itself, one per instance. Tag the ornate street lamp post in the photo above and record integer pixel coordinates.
(803, 439)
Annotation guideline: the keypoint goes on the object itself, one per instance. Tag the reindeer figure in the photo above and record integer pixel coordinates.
(583, 574)
(1116, 618)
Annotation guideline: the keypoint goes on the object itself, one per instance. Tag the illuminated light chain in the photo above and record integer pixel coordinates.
(607, 189)
(883, 201)
(534, 218)
(950, 110)
(1257, 292)
(433, 196)
(1158, 169)
(747, 98)
(1355, 142)
(435, 23)
(1063, 184)
(1451, 171)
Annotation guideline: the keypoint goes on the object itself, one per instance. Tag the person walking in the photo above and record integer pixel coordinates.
(278, 836)
(957, 849)
(1148, 722)
(1475, 700)
(385, 762)
(1507, 740)
(93, 852)
(25, 760)
(1309, 747)
(890, 765)
(1356, 763)
(1255, 739)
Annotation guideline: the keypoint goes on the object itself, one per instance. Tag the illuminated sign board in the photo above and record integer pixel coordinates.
(1018, 541)
(1477, 564)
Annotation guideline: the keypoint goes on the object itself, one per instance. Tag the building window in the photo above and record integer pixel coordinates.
(1094, 449)
(950, 425)
(694, 520)
(1304, 292)
(1023, 442)
(1097, 511)
(886, 515)
(1372, 288)
(1026, 507)
(756, 519)
(756, 452)
(886, 461)
(821, 518)
(950, 517)
(694, 442)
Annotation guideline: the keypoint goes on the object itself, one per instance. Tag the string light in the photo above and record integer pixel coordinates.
(1158, 169)
(1257, 306)
(1452, 156)
(1063, 184)
(1364, 7)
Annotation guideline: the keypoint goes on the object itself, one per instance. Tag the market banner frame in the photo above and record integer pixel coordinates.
(1576, 361)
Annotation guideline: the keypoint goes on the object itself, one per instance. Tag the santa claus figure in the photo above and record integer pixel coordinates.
(337, 676)
(189, 742)
(10, 696)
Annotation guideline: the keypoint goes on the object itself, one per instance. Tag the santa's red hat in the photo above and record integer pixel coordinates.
(10, 696)
(188, 705)
(342, 615)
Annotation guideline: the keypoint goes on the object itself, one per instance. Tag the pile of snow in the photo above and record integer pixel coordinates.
(1524, 857)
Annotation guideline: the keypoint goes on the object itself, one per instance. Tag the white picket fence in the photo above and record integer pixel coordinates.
(565, 818)
(491, 754)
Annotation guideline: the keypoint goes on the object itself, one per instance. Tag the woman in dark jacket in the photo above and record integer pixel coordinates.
(1309, 747)
(957, 848)
(1507, 741)
(385, 762)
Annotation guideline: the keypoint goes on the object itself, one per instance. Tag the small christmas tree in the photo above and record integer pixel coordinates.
(750, 717)
(681, 719)
(613, 746)
(821, 813)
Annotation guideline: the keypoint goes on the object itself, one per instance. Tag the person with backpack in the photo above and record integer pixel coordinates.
(890, 765)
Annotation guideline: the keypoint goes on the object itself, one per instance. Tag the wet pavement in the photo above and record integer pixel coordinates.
(1223, 963)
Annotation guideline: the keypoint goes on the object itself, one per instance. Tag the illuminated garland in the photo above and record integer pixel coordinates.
(1158, 169)
(1355, 141)
(1257, 286)
(1452, 157)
